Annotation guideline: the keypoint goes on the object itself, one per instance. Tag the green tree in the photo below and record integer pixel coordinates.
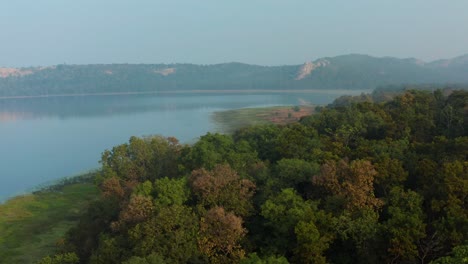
(84, 237)
(171, 233)
(66, 258)
(405, 226)
(298, 142)
(459, 255)
(214, 149)
(357, 237)
(292, 172)
(262, 138)
(110, 250)
(142, 159)
(171, 191)
(150, 259)
(310, 243)
(390, 173)
(454, 202)
(253, 258)
(296, 226)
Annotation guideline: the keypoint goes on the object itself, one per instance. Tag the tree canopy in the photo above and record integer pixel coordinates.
(358, 182)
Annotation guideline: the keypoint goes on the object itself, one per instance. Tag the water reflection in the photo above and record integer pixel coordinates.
(43, 139)
(94, 106)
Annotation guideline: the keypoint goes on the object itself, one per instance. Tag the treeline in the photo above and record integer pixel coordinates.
(347, 72)
(356, 183)
(388, 92)
(115, 78)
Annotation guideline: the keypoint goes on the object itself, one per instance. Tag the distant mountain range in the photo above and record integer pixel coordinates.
(349, 72)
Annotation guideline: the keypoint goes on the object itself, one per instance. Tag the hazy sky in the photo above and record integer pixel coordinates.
(266, 32)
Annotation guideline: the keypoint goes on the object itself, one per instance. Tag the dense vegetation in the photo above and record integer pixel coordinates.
(355, 183)
(31, 225)
(349, 72)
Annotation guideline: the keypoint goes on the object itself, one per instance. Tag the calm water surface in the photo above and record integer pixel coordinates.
(44, 139)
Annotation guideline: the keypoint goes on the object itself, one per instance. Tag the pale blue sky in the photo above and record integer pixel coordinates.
(266, 32)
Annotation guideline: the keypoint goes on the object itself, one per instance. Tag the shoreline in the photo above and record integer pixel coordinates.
(255, 114)
(54, 185)
(229, 121)
(283, 91)
(32, 224)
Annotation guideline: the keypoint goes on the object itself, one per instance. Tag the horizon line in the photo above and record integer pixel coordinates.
(234, 62)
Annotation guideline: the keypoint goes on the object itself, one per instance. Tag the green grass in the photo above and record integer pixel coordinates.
(31, 225)
(232, 120)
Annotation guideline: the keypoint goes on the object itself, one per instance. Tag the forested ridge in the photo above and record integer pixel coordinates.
(358, 182)
(347, 72)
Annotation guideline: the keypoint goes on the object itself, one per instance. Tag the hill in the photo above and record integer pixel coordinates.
(351, 72)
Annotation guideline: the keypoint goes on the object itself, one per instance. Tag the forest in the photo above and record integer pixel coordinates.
(359, 181)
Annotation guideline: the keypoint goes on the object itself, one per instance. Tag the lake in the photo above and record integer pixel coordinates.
(45, 139)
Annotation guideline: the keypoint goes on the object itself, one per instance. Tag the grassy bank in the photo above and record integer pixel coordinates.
(31, 225)
(231, 120)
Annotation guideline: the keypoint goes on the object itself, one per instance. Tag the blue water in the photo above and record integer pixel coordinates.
(44, 139)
